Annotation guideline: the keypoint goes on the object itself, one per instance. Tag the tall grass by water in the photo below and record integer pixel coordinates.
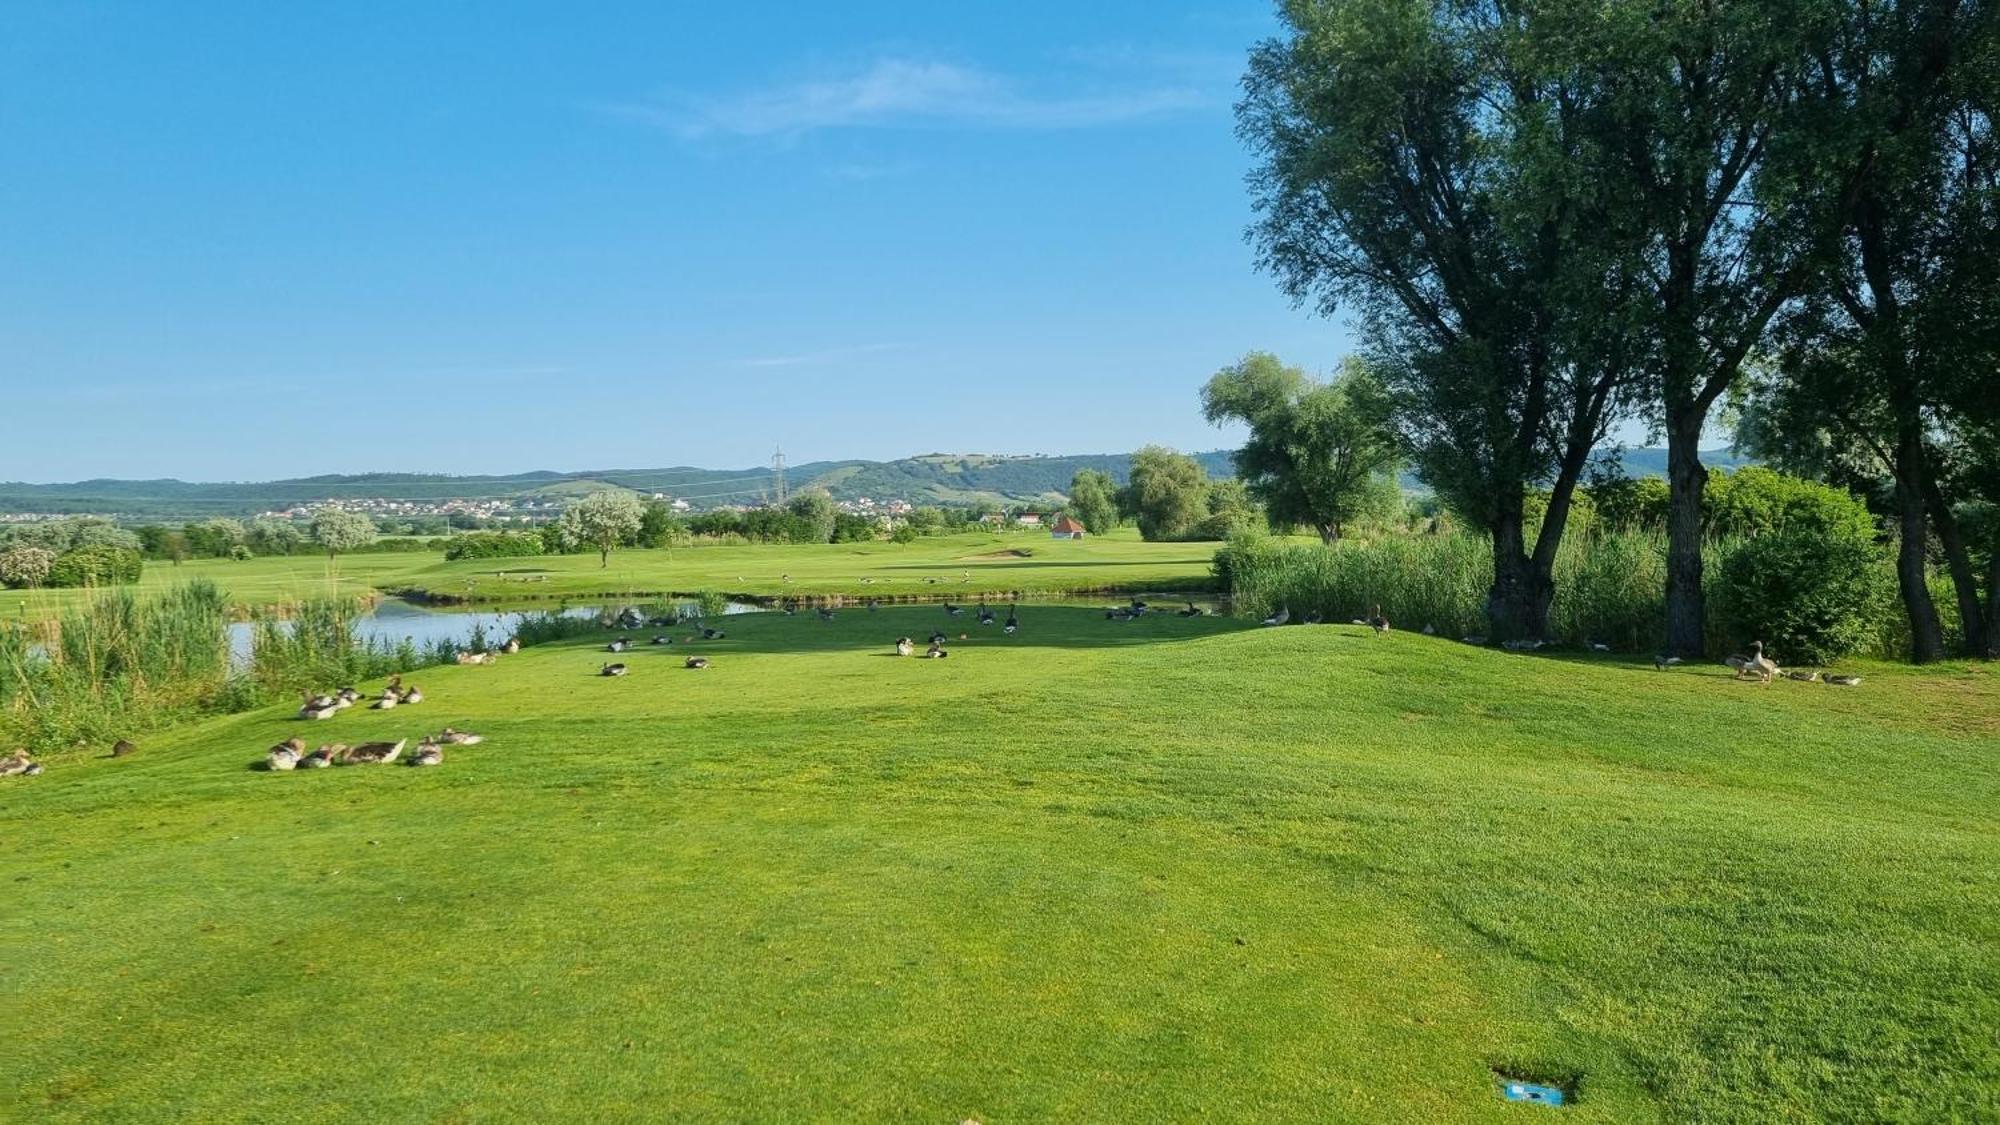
(120, 664)
(1610, 586)
(114, 663)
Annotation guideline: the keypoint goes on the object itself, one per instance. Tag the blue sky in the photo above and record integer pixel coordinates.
(260, 240)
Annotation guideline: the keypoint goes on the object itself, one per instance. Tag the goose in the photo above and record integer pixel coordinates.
(1140, 606)
(1430, 630)
(1803, 677)
(825, 614)
(612, 670)
(872, 603)
(413, 695)
(323, 757)
(285, 755)
(1759, 665)
(1013, 621)
(985, 614)
(1377, 621)
(697, 662)
(1283, 615)
(1313, 618)
(346, 697)
(1662, 662)
(451, 737)
(904, 646)
(937, 636)
(708, 634)
(373, 753)
(1842, 681)
(1475, 639)
(319, 707)
(953, 610)
(1523, 644)
(19, 764)
(390, 697)
(619, 645)
(123, 748)
(663, 640)
(428, 754)
(512, 646)
(936, 652)
(789, 606)
(1192, 610)
(1599, 646)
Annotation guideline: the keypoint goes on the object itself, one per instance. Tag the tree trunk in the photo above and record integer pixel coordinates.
(1687, 480)
(1912, 560)
(603, 558)
(1518, 604)
(1329, 533)
(1993, 605)
(1977, 635)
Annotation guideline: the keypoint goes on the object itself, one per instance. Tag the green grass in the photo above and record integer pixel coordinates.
(1162, 870)
(1120, 560)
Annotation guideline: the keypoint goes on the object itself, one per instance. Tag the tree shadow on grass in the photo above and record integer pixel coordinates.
(1041, 626)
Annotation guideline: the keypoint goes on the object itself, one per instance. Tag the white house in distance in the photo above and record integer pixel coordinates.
(1066, 528)
(1028, 519)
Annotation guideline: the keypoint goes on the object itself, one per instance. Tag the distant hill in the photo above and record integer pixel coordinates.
(933, 478)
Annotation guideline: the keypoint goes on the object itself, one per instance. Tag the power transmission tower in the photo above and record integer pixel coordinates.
(778, 475)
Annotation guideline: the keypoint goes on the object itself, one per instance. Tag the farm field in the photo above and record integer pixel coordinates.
(1024, 562)
(1122, 871)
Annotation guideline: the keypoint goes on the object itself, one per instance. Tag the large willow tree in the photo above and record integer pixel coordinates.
(1433, 169)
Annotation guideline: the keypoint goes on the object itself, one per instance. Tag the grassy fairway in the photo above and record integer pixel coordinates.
(1144, 871)
(1119, 560)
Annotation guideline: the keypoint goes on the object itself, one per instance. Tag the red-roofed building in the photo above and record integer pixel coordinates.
(1066, 528)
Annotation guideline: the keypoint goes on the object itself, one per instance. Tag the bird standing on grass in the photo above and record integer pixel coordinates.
(1283, 615)
(1377, 621)
(1013, 620)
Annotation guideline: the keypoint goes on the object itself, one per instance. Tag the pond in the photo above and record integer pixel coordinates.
(392, 620)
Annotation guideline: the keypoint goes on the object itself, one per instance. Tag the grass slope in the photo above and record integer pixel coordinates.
(1120, 560)
(1144, 871)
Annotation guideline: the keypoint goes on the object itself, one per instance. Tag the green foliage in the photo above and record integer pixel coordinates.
(1167, 494)
(1093, 500)
(339, 530)
(711, 603)
(813, 512)
(1755, 501)
(906, 532)
(659, 527)
(271, 536)
(1318, 454)
(95, 565)
(1812, 594)
(851, 528)
(493, 545)
(1610, 586)
(114, 664)
(1625, 503)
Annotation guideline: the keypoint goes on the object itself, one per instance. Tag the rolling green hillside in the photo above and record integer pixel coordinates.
(933, 478)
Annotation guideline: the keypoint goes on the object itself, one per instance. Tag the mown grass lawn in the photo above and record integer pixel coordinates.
(1162, 870)
(1016, 561)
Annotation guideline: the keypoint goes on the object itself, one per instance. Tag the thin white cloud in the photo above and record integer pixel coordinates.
(831, 355)
(906, 92)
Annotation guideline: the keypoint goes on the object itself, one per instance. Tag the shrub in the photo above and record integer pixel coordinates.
(25, 567)
(1757, 501)
(1811, 594)
(904, 533)
(494, 545)
(96, 565)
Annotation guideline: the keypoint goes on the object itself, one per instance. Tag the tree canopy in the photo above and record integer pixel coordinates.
(600, 521)
(1319, 454)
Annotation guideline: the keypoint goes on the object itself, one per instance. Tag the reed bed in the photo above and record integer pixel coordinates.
(1609, 585)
